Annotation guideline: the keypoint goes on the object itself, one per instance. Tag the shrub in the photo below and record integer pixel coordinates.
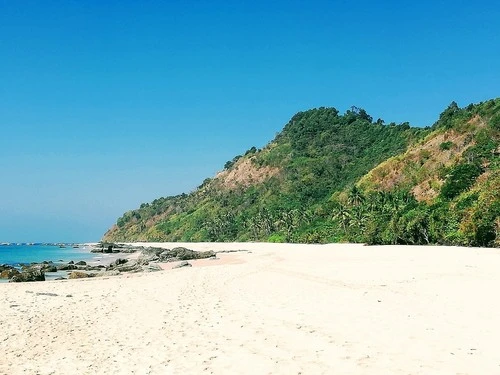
(276, 238)
(446, 145)
(461, 177)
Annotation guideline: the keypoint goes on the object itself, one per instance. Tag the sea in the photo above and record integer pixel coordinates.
(17, 254)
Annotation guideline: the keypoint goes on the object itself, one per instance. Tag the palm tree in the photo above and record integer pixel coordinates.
(289, 221)
(343, 215)
(355, 197)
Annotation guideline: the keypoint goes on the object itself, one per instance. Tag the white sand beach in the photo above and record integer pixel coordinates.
(279, 309)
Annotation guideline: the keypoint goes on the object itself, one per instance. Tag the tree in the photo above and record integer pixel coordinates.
(356, 196)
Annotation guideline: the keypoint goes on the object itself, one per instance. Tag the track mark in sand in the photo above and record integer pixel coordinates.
(47, 294)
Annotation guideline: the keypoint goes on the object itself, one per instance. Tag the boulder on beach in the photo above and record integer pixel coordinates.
(100, 267)
(81, 263)
(66, 267)
(120, 261)
(4, 267)
(131, 266)
(150, 254)
(9, 273)
(50, 268)
(181, 253)
(34, 273)
(80, 275)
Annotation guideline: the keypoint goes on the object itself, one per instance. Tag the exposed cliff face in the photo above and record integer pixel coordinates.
(327, 176)
(244, 174)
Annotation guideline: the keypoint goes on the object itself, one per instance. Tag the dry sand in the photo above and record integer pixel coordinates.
(281, 309)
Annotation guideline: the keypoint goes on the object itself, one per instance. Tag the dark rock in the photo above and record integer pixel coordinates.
(9, 273)
(181, 253)
(81, 263)
(183, 264)
(129, 267)
(120, 261)
(60, 278)
(131, 249)
(71, 262)
(94, 268)
(66, 267)
(50, 268)
(34, 273)
(25, 267)
(4, 267)
(151, 254)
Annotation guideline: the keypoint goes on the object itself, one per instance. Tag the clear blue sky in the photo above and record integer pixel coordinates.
(108, 104)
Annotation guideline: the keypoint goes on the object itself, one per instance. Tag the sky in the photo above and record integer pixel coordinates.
(105, 105)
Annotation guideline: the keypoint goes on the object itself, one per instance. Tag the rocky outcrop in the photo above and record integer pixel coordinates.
(66, 267)
(100, 267)
(8, 273)
(120, 261)
(150, 254)
(108, 247)
(50, 268)
(181, 253)
(4, 267)
(131, 266)
(32, 273)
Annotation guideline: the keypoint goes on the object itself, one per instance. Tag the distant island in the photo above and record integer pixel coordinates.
(331, 177)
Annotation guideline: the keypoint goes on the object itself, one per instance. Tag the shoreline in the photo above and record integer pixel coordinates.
(81, 257)
(132, 252)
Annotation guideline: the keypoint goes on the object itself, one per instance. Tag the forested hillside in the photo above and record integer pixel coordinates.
(329, 177)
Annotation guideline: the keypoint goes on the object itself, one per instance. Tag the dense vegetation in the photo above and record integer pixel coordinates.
(329, 177)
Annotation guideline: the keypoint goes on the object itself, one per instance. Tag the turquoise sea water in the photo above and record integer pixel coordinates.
(16, 254)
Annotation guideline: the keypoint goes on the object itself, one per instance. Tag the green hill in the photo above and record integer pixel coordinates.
(329, 177)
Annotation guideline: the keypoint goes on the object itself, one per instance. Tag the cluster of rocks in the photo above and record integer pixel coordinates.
(27, 273)
(37, 271)
(157, 254)
(151, 256)
(108, 247)
(147, 261)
